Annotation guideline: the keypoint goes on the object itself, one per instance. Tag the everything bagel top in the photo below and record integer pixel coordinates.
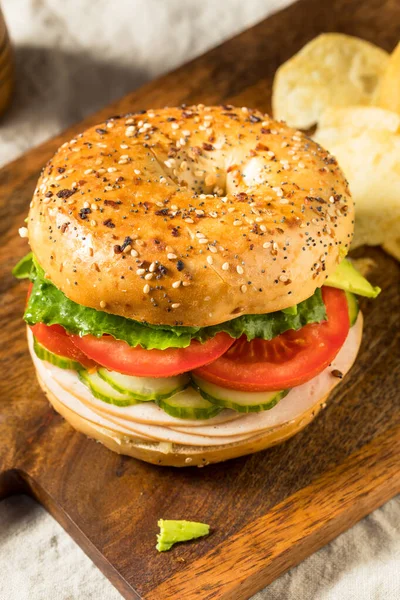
(190, 216)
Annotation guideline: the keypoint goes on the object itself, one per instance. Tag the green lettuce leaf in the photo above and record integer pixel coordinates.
(23, 268)
(49, 305)
(269, 326)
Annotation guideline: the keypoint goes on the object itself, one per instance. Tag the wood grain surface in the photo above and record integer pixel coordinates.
(268, 511)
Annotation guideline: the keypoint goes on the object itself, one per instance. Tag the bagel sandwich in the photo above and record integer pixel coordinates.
(189, 299)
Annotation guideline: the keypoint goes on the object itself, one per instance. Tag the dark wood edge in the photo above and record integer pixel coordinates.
(293, 529)
(32, 488)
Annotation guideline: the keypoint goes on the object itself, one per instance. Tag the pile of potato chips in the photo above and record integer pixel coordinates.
(350, 89)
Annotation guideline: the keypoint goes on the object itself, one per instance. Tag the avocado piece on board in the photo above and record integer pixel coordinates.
(172, 532)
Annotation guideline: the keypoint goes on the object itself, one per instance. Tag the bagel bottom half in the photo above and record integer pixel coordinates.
(177, 455)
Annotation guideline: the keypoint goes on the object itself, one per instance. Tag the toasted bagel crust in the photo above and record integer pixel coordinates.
(190, 216)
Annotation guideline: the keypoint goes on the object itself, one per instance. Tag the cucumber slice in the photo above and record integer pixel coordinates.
(103, 391)
(244, 402)
(354, 309)
(144, 388)
(188, 405)
(55, 359)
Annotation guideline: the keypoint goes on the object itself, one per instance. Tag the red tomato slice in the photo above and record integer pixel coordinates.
(55, 339)
(117, 355)
(287, 360)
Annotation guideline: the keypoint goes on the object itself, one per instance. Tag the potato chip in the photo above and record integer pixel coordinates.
(336, 123)
(332, 69)
(370, 160)
(393, 247)
(387, 94)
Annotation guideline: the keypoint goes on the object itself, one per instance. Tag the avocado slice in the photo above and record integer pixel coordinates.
(347, 278)
(172, 532)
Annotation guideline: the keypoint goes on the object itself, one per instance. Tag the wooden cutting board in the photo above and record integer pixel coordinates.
(267, 511)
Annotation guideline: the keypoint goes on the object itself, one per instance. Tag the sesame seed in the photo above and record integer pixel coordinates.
(149, 276)
(122, 161)
(88, 171)
(240, 270)
(203, 241)
(93, 206)
(283, 278)
(176, 284)
(23, 232)
(134, 253)
(225, 266)
(86, 205)
(175, 305)
(243, 288)
(278, 191)
(152, 267)
(266, 244)
(111, 169)
(189, 220)
(137, 171)
(130, 131)
(163, 180)
(140, 271)
(175, 126)
(146, 288)
(93, 223)
(171, 256)
(237, 223)
(103, 304)
(124, 146)
(210, 260)
(212, 249)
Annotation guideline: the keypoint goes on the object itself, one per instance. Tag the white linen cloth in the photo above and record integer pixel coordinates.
(75, 56)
